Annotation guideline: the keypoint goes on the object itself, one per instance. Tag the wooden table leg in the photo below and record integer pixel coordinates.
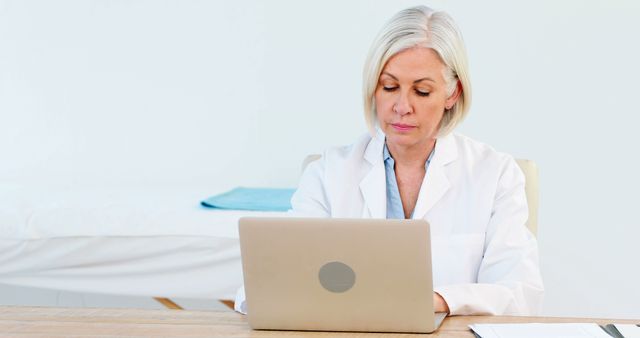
(168, 303)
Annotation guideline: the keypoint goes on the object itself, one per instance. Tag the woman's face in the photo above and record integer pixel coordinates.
(411, 97)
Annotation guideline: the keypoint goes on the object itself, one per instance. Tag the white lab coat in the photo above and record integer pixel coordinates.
(485, 261)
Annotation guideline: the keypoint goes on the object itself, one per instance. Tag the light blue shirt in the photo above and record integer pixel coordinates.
(394, 203)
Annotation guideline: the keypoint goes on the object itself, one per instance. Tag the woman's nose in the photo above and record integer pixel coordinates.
(402, 105)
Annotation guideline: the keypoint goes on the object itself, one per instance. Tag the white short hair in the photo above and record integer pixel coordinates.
(420, 26)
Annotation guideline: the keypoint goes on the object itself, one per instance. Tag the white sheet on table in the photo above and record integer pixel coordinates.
(537, 330)
(133, 242)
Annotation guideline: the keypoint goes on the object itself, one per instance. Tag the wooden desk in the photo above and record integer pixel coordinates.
(87, 322)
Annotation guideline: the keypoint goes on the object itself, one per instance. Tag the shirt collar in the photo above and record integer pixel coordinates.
(385, 153)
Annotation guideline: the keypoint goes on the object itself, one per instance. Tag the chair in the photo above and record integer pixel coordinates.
(530, 171)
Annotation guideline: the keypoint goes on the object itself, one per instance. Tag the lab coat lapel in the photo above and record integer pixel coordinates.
(436, 183)
(374, 184)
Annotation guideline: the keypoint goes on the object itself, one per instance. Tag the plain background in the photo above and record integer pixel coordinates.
(227, 93)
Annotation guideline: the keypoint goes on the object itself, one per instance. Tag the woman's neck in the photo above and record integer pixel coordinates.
(413, 156)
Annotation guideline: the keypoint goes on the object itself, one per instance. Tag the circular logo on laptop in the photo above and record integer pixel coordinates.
(336, 277)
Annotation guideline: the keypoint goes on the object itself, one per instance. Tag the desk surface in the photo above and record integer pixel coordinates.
(88, 322)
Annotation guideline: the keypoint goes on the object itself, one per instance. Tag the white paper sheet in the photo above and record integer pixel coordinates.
(628, 330)
(537, 330)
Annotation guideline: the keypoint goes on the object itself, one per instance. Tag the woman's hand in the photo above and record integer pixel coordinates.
(439, 304)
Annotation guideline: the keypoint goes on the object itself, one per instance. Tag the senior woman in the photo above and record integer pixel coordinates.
(411, 165)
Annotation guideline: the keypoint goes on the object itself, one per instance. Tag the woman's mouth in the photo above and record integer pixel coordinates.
(402, 127)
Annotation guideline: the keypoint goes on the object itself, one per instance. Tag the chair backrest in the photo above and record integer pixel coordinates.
(309, 159)
(530, 170)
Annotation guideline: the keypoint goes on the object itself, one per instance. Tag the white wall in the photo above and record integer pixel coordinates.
(236, 93)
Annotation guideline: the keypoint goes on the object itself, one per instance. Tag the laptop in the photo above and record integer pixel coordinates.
(329, 274)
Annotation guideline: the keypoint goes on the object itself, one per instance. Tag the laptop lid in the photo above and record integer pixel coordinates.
(331, 274)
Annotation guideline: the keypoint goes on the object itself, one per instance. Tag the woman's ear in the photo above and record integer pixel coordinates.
(453, 98)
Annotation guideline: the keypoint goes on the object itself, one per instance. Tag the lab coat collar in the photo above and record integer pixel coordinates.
(436, 183)
(433, 188)
(373, 153)
(373, 186)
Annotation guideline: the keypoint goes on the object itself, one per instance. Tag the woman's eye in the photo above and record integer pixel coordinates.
(421, 93)
(388, 89)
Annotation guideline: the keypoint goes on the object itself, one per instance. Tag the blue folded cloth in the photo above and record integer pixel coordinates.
(256, 199)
